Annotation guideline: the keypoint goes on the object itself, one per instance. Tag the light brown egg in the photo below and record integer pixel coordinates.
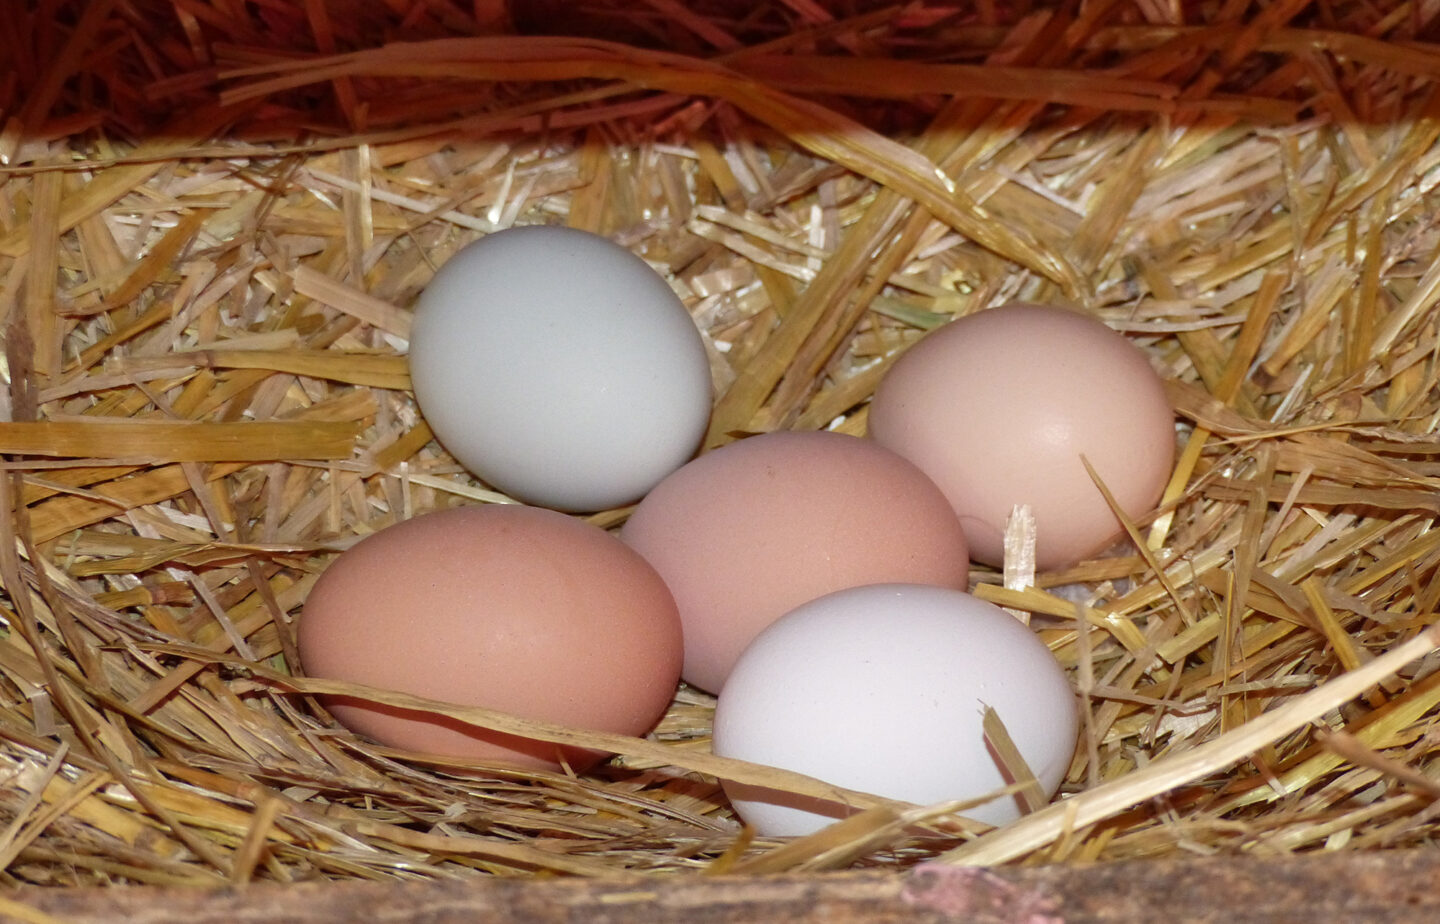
(746, 533)
(518, 609)
(998, 407)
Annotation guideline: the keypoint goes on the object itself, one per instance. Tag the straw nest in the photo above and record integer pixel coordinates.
(214, 218)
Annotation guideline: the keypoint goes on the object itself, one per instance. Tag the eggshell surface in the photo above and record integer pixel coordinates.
(518, 609)
(999, 407)
(559, 367)
(753, 529)
(881, 689)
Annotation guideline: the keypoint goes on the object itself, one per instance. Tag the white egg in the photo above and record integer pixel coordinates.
(559, 368)
(882, 689)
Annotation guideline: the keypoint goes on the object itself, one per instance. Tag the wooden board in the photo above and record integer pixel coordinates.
(1333, 888)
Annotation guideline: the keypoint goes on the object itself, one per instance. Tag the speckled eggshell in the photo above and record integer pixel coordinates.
(998, 407)
(517, 609)
(753, 529)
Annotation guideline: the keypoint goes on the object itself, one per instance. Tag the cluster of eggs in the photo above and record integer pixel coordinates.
(814, 581)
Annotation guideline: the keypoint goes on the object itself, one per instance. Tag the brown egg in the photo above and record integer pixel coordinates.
(750, 531)
(518, 609)
(998, 407)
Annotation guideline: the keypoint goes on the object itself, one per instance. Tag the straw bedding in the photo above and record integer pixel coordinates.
(214, 217)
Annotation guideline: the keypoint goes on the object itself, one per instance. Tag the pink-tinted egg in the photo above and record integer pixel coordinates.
(999, 407)
(517, 609)
(752, 530)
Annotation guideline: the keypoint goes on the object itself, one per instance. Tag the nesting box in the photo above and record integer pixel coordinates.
(215, 218)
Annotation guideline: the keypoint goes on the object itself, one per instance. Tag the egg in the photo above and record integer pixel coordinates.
(518, 609)
(751, 530)
(999, 408)
(882, 689)
(559, 368)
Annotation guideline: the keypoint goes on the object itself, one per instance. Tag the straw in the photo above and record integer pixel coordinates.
(215, 220)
